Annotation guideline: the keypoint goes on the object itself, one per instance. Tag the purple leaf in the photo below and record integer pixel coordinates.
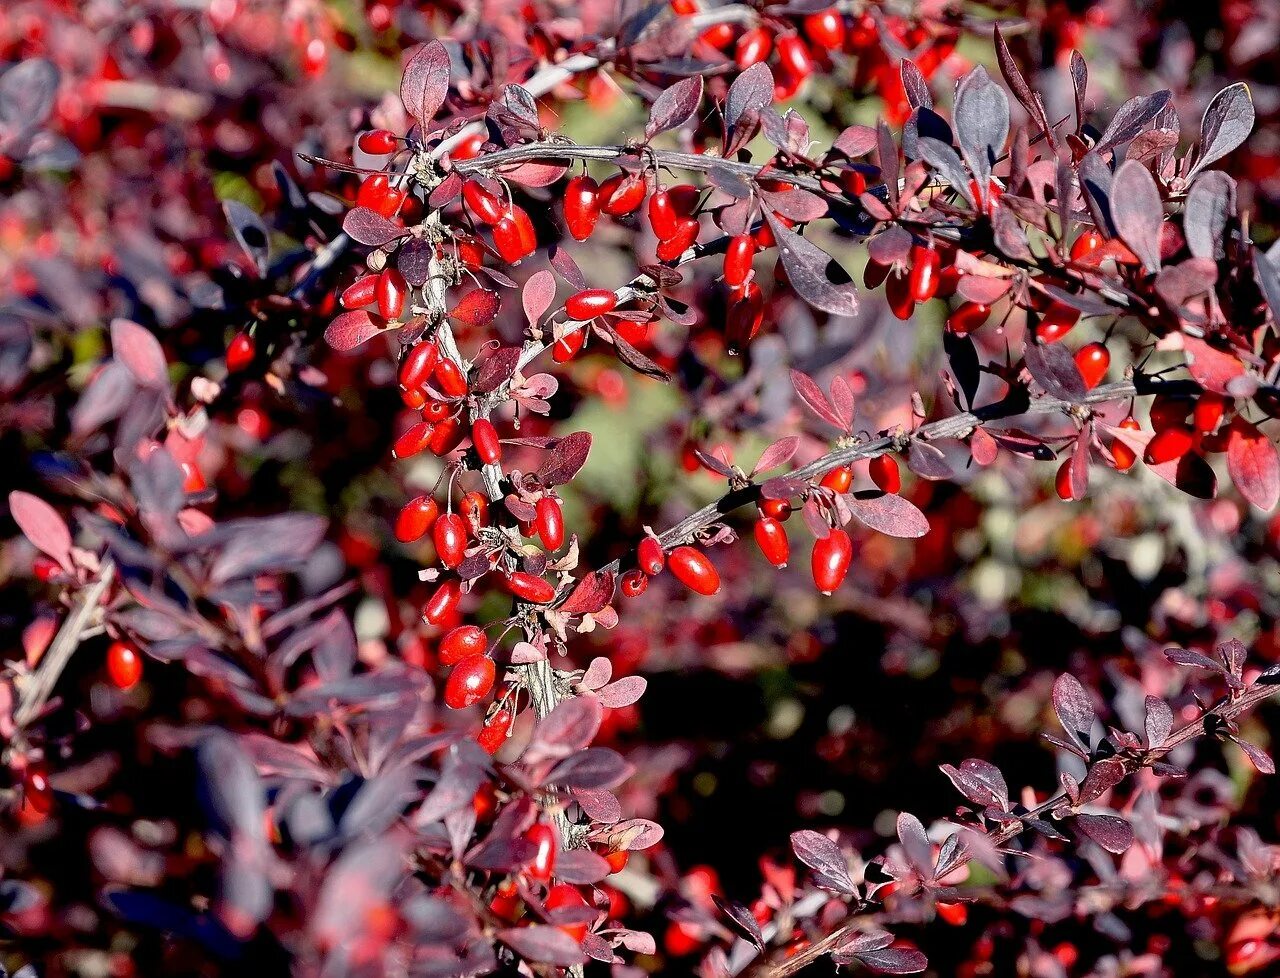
(566, 459)
(744, 922)
(624, 692)
(570, 726)
(981, 119)
(595, 767)
(816, 277)
(1137, 212)
(495, 369)
(1227, 122)
(538, 294)
(138, 349)
(1109, 831)
(890, 514)
(1054, 369)
(675, 106)
(1074, 710)
(1260, 758)
(425, 82)
(825, 858)
(894, 960)
(250, 232)
(749, 95)
(544, 944)
(779, 453)
(350, 329)
(591, 595)
(1131, 119)
(1253, 464)
(1102, 777)
(370, 228)
(813, 397)
(43, 526)
(1159, 721)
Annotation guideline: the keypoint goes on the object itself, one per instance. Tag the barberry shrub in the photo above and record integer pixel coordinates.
(379, 451)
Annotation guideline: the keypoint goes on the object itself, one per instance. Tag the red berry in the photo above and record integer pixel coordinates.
(469, 251)
(831, 557)
(374, 192)
(967, 317)
(634, 583)
(240, 352)
(417, 366)
(745, 317)
(1085, 244)
(617, 860)
(443, 603)
(1092, 359)
(1124, 455)
(450, 378)
(469, 148)
(681, 240)
(1168, 411)
(414, 440)
(416, 518)
(794, 57)
(581, 207)
(838, 479)
(622, 194)
(359, 293)
(392, 291)
(590, 303)
(694, 570)
(470, 682)
(486, 207)
(753, 47)
(494, 732)
(772, 540)
(1057, 322)
(662, 215)
(474, 509)
(897, 290)
(1208, 412)
(543, 863)
(36, 790)
(484, 438)
(124, 665)
(885, 473)
(377, 142)
(530, 587)
(568, 346)
(437, 411)
(450, 537)
(550, 522)
(825, 29)
(650, 557)
(778, 509)
(562, 896)
(1062, 481)
(923, 277)
(1169, 445)
(447, 435)
(514, 236)
(737, 259)
(719, 36)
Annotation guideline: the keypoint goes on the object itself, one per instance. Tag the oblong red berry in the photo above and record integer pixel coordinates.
(447, 435)
(530, 587)
(359, 293)
(682, 239)
(443, 603)
(581, 206)
(470, 682)
(377, 142)
(1056, 322)
(1169, 445)
(450, 537)
(825, 28)
(662, 215)
(967, 317)
(240, 352)
(794, 56)
(1085, 244)
(494, 732)
(36, 789)
(753, 47)
(568, 346)
(634, 583)
(415, 519)
(414, 440)
(832, 555)
(926, 265)
(550, 522)
(474, 509)
(650, 556)
(484, 438)
(486, 206)
(694, 570)
(772, 540)
(885, 473)
(838, 479)
(622, 194)
(590, 303)
(461, 642)
(543, 863)
(514, 236)
(392, 292)
(124, 665)
(737, 259)
(416, 368)
(1092, 360)
(450, 378)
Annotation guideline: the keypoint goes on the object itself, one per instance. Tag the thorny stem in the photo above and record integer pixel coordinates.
(1227, 709)
(37, 690)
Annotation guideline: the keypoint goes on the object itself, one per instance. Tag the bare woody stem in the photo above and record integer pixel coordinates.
(37, 690)
(1227, 709)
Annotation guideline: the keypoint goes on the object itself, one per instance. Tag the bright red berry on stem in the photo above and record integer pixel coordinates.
(825, 29)
(530, 587)
(681, 240)
(124, 665)
(450, 537)
(634, 583)
(1085, 244)
(832, 555)
(563, 895)
(448, 434)
(1124, 455)
(414, 440)
(622, 194)
(415, 519)
(36, 790)
(543, 863)
(967, 317)
(617, 860)
(470, 682)
(581, 207)
(550, 522)
(838, 479)
(897, 291)
(443, 603)
(417, 366)
(650, 557)
(1093, 359)
(737, 259)
(461, 642)
(436, 411)
(590, 303)
(1208, 412)
(484, 437)
(794, 56)
(1169, 445)
(240, 352)
(449, 378)
(926, 264)
(1057, 322)
(778, 509)
(359, 293)
(568, 346)
(377, 142)
(374, 192)
(694, 570)
(745, 316)
(486, 206)
(494, 732)
(772, 540)
(753, 47)
(392, 291)
(885, 473)
(514, 236)
(474, 509)
(662, 215)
